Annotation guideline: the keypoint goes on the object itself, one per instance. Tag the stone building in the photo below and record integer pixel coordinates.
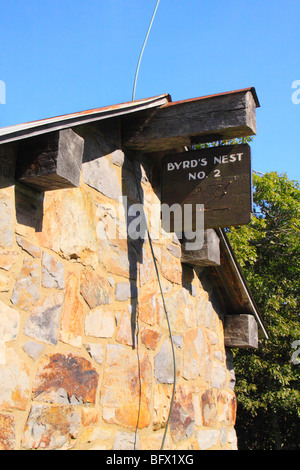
(86, 360)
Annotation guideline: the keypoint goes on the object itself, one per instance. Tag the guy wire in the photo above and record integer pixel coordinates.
(165, 309)
(150, 241)
(142, 51)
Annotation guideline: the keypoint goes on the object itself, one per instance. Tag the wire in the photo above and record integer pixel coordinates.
(166, 312)
(142, 51)
(151, 245)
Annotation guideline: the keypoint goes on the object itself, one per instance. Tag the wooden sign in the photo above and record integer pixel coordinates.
(217, 177)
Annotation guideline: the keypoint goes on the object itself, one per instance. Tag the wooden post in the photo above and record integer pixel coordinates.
(207, 255)
(50, 161)
(241, 331)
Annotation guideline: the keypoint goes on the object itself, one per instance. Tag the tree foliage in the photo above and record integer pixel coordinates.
(268, 250)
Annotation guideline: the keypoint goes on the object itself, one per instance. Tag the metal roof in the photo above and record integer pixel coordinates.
(30, 129)
(34, 128)
(217, 95)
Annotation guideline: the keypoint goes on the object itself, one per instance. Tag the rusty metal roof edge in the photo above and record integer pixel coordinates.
(33, 128)
(217, 95)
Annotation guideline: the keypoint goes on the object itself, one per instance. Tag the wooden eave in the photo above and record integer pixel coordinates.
(67, 121)
(232, 285)
(182, 123)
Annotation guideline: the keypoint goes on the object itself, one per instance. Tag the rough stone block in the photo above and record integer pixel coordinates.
(26, 290)
(100, 175)
(72, 318)
(44, 320)
(182, 419)
(52, 272)
(123, 291)
(100, 323)
(126, 389)
(125, 330)
(29, 247)
(14, 382)
(96, 351)
(66, 379)
(164, 364)
(69, 226)
(208, 438)
(126, 441)
(171, 267)
(6, 220)
(7, 432)
(193, 354)
(94, 289)
(33, 349)
(51, 427)
(8, 259)
(150, 338)
(9, 323)
(5, 283)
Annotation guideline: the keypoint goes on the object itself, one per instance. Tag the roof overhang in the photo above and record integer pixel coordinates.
(43, 126)
(233, 285)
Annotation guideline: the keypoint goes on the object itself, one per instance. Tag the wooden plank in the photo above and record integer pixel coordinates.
(219, 178)
(207, 255)
(229, 280)
(241, 331)
(7, 163)
(50, 161)
(176, 124)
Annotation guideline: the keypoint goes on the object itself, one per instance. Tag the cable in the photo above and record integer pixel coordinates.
(166, 312)
(151, 245)
(142, 51)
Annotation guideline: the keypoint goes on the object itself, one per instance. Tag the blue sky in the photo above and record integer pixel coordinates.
(63, 56)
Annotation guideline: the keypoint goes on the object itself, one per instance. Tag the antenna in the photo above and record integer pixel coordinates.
(151, 246)
(142, 51)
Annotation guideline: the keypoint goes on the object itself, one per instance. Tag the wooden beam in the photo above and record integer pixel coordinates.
(229, 280)
(50, 161)
(177, 124)
(207, 255)
(241, 331)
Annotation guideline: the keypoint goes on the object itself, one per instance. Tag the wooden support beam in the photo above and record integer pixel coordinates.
(241, 331)
(207, 255)
(177, 124)
(50, 161)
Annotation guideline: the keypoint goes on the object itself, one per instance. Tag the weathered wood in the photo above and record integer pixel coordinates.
(176, 124)
(241, 331)
(228, 279)
(50, 161)
(7, 163)
(207, 255)
(219, 178)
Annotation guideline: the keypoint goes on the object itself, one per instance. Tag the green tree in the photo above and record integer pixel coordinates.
(268, 250)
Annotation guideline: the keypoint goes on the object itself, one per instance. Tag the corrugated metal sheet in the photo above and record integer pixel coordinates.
(30, 129)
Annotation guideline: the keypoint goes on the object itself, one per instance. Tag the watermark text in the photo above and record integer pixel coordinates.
(296, 93)
(133, 221)
(296, 355)
(2, 92)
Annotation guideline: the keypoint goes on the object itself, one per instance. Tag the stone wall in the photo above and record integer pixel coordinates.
(85, 354)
